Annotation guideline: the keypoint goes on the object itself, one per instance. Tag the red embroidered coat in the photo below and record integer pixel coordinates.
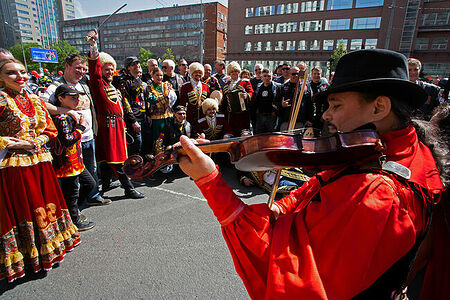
(217, 130)
(193, 102)
(334, 248)
(110, 142)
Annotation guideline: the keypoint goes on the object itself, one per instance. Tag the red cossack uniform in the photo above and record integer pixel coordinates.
(336, 247)
(193, 100)
(238, 120)
(110, 143)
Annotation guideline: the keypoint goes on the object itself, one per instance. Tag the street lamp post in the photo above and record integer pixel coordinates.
(202, 32)
(21, 43)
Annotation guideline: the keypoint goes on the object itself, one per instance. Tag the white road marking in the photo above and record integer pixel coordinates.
(179, 194)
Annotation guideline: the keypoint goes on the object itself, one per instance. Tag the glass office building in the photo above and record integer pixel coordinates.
(33, 21)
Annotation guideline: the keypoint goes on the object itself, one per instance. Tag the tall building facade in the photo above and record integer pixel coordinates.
(178, 27)
(272, 32)
(33, 21)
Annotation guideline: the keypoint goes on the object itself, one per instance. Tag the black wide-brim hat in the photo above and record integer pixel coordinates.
(379, 71)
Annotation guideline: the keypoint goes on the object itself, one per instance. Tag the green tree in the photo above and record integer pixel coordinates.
(63, 49)
(337, 54)
(16, 50)
(168, 55)
(145, 55)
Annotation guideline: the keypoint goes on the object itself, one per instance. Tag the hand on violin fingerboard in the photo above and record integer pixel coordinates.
(195, 164)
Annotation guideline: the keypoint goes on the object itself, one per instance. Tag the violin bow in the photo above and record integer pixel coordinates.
(293, 120)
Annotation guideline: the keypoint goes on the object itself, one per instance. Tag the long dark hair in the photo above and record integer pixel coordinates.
(434, 134)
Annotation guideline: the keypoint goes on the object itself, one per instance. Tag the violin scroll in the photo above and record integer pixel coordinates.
(139, 168)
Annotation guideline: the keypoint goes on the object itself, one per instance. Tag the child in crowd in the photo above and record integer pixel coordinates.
(75, 180)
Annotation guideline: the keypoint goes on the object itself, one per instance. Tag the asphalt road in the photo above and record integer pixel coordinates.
(166, 246)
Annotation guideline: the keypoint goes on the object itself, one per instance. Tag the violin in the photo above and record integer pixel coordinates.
(272, 151)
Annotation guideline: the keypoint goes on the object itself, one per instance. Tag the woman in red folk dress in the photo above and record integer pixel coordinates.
(36, 227)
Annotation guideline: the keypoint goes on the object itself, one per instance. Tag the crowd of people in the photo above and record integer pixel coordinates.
(78, 134)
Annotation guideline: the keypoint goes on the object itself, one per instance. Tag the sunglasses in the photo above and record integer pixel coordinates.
(181, 114)
(294, 74)
(182, 64)
(164, 67)
(286, 69)
(257, 69)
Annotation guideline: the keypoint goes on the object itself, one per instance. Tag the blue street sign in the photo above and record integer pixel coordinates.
(44, 55)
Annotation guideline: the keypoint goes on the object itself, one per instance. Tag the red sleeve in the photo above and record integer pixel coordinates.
(206, 88)
(50, 130)
(96, 84)
(334, 249)
(95, 73)
(248, 87)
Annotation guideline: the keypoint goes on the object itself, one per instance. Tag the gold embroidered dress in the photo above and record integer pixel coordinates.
(35, 225)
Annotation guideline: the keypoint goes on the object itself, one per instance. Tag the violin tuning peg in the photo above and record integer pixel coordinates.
(151, 159)
(168, 150)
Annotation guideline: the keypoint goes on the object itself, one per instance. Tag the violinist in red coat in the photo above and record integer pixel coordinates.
(352, 230)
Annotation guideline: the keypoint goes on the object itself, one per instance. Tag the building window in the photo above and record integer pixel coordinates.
(337, 24)
(290, 45)
(368, 3)
(286, 27)
(289, 8)
(268, 46)
(328, 44)
(436, 19)
(314, 45)
(356, 44)
(264, 28)
(257, 46)
(19, 5)
(24, 25)
(248, 46)
(279, 46)
(301, 45)
(439, 43)
(371, 43)
(422, 44)
(339, 4)
(249, 12)
(309, 6)
(366, 23)
(248, 29)
(342, 43)
(23, 12)
(265, 11)
(25, 19)
(310, 26)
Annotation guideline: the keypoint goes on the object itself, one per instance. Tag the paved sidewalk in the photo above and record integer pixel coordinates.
(166, 246)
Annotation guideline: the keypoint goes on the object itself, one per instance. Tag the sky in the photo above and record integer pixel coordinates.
(89, 8)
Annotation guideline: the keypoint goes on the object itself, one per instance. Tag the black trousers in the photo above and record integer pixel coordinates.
(76, 189)
(107, 171)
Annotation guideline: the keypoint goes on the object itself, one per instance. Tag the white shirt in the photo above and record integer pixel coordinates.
(83, 108)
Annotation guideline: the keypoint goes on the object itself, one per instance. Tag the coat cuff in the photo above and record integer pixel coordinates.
(224, 203)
